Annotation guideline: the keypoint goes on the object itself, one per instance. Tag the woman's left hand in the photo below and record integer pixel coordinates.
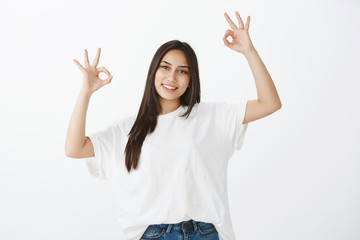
(241, 41)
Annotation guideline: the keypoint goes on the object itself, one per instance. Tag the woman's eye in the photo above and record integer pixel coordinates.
(166, 67)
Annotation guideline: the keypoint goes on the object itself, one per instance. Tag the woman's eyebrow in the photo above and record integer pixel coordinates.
(179, 66)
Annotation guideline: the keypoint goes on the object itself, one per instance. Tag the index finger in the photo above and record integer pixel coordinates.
(232, 24)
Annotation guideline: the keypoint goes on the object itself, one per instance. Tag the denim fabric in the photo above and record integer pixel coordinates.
(186, 230)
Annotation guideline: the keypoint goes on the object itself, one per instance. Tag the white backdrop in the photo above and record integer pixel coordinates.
(297, 174)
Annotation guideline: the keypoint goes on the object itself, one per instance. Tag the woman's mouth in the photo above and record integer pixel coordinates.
(168, 88)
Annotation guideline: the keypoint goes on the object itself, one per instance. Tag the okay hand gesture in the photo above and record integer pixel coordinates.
(91, 80)
(241, 41)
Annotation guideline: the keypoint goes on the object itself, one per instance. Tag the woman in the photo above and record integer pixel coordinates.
(168, 163)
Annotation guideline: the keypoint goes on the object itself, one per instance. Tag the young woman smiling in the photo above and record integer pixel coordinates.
(167, 164)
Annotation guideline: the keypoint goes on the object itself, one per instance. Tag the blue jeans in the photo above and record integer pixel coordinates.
(190, 229)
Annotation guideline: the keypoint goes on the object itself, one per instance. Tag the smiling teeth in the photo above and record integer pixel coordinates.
(167, 86)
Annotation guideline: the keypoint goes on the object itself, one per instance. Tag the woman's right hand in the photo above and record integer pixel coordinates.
(91, 79)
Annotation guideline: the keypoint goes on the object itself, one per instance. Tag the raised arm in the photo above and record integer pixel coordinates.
(268, 99)
(77, 145)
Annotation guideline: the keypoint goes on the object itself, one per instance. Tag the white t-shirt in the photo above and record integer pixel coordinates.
(182, 170)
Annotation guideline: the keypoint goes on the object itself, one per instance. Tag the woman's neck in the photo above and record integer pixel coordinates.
(169, 106)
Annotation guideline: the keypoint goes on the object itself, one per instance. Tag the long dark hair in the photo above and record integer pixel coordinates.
(146, 119)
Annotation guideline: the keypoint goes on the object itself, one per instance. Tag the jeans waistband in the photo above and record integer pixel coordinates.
(181, 225)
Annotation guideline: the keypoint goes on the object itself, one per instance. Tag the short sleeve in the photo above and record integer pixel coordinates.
(232, 115)
(104, 144)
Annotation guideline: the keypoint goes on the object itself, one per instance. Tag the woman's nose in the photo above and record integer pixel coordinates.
(172, 74)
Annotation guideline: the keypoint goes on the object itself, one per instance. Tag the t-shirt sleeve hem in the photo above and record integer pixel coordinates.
(240, 127)
(94, 163)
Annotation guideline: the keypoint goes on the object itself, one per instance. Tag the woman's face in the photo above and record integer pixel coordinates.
(174, 72)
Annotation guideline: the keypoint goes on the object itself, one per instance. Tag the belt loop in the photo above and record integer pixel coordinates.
(168, 228)
(195, 225)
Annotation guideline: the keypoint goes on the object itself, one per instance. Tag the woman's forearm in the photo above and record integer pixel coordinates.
(265, 86)
(75, 137)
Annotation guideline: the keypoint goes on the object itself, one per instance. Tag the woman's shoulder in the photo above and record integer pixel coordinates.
(126, 122)
(217, 104)
(221, 108)
(208, 105)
